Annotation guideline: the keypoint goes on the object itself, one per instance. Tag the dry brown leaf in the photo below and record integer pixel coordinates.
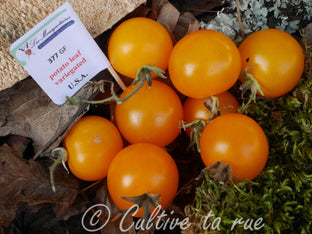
(36, 219)
(187, 23)
(18, 143)
(197, 7)
(27, 111)
(168, 15)
(142, 11)
(103, 197)
(176, 24)
(23, 181)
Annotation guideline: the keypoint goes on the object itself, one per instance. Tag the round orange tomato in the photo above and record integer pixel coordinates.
(152, 115)
(137, 42)
(92, 144)
(142, 168)
(237, 140)
(204, 63)
(194, 108)
(275, 59)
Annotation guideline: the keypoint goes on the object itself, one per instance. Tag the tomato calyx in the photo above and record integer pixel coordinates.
(143, 74)
(212, 104)
(197, 126)
(146, 201)
(250, 83)
(58, 155)
(220, 171)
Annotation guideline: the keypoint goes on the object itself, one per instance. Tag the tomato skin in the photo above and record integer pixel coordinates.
(137, 42)
(194, 108)
(204, 63)
(142, 168)
(152, 115)
(92, 144)
(237, 140)
(276, 60)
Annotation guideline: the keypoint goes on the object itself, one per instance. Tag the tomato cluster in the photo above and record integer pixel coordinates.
(202, 67)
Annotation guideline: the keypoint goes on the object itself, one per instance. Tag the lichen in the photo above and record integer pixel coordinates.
(286, 15)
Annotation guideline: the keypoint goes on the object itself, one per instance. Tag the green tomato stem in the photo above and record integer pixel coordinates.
(197, 128)
(143, 74)
(59, 155)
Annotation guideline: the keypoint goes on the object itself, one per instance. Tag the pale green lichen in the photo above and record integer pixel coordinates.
(261, 14)
(308, 8)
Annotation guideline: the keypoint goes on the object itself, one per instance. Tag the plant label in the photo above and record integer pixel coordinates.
(60, 54)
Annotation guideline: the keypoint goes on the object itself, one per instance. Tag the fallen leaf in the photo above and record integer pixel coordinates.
(103, 197)
(177, 24)
(36, 219)
(27, 181)
(143, 11)
(18, 144)
(187, 23)
(27, 111)
(197, 7)
(168, 15)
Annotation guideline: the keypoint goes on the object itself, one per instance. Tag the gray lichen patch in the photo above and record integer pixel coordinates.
(255, 15)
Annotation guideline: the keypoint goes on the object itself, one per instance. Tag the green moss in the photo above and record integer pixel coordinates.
(282, 193)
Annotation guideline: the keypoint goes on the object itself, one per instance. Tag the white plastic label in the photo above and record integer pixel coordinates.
(60, 54)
